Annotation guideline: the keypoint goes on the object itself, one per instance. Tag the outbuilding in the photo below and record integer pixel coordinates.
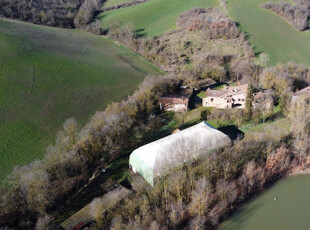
(159, 157)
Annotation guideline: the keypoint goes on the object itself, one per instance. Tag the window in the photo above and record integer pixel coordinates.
(239, 99)
(211, 99)
(242, 99)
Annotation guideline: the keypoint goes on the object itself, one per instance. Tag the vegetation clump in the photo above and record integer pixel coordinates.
(189, 55)
(298, 15)
(57, 13)
(211, 21)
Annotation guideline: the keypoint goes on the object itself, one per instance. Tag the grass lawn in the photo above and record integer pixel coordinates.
(48, 75)
(202, 94)
(220, 86)
(153, 17)
(270, 33)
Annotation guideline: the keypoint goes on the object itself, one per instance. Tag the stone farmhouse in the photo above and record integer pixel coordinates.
(227, 98)
(176, 102)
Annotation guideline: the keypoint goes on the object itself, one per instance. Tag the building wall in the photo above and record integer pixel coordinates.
(175, 107)
(222, 103)
(217, 102)
(240, 99)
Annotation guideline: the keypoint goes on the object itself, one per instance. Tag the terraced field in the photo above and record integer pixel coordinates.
(153, 17)
(48, 75)
(267, 32)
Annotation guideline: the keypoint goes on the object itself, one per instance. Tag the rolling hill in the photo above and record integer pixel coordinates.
(48, 75)
(267, 32)
(153, 17)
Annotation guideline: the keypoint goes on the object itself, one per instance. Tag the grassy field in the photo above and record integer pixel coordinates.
(270, 33)
(48, 75)
(153, 17)
(115, 2)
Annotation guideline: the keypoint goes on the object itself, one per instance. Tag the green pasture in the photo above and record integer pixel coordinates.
(109, 3)
(48, 75)
(153, 17)
(269, 33)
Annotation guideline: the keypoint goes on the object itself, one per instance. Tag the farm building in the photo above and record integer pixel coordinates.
(176, 102)
(157, 158)
(227, 98)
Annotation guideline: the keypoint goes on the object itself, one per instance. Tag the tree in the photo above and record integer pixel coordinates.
(200, 197)
(299, 115)
(34, 184)
(249, 103)
(204, 114)
(259, 63)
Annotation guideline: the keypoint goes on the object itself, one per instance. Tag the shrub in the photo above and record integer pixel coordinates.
(211, 21)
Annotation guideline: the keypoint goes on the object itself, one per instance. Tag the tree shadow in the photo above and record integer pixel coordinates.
(257, 53)
(194, 102)
(189, 124)
(237, 219)
(140, 33)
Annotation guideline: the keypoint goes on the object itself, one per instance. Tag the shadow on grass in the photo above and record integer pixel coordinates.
(232, 132)
(237, 219)
(189, 124)
(140, 33)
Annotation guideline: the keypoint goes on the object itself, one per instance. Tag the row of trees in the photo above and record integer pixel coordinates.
(58, 13)
(297, 15)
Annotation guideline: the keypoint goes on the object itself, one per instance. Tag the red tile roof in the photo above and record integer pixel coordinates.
(228, 91)
(173, 99)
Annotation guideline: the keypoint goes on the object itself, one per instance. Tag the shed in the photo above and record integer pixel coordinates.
(157, 158)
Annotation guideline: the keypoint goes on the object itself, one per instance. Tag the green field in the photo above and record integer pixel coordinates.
(109, 3)
(153, 17)
(270, 33)
(48, 75)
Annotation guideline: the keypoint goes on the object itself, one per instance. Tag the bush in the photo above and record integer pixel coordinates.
(204, 114)
(211, 21)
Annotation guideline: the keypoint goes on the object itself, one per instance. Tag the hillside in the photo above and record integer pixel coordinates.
(153, 17)
(267, 32)
(48, 75)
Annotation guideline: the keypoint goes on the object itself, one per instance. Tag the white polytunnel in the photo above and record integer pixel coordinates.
(157, 158)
